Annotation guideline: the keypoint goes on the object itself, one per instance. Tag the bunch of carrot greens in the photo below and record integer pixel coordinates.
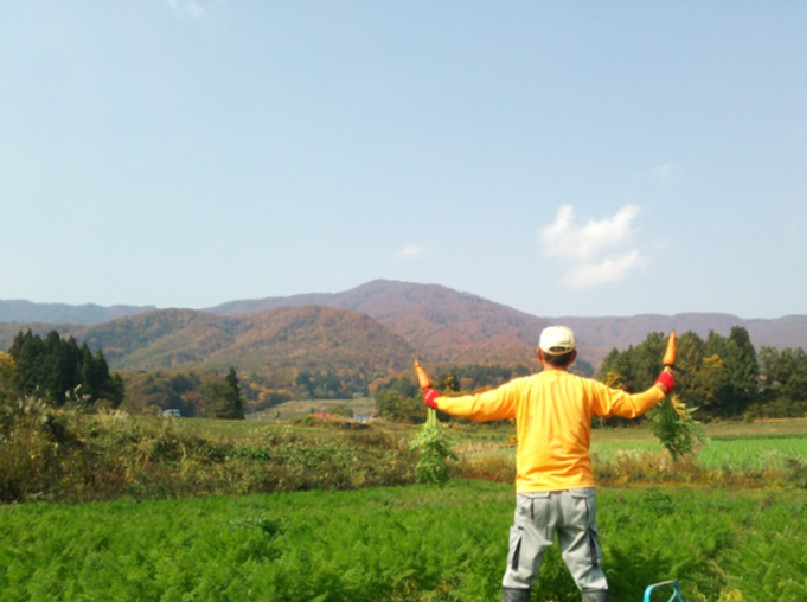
(433, 441)
(671, 421)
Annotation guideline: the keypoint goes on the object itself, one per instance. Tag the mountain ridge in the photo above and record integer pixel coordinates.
(439, 324)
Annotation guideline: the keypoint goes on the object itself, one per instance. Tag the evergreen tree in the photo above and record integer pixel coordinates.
(224, 398)
(52, 367)
(743, 369)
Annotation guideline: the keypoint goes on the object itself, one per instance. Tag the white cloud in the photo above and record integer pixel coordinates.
(565, 239)
(413, 251)
(667, 172)
(597, 252)
(609, 269)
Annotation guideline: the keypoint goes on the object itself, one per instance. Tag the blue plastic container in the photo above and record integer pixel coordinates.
(673, 585)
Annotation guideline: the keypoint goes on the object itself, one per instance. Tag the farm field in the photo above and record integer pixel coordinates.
(732, 454)
(194, 509)
(770, 453)
(293, 410)
(414, 543)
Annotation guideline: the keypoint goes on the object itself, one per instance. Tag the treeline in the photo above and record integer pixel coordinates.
(724, 377)
(398, 400)
(327, 384)
(58, 370)
(201, 394)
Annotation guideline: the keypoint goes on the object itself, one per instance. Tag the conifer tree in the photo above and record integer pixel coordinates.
(51, 368)
(224, 399)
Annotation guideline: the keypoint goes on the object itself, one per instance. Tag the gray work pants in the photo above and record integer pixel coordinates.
(538, 517)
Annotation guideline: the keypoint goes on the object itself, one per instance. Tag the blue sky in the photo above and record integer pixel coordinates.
(561, 158)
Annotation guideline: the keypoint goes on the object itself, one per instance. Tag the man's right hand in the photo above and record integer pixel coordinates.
(430, 397)
(665, 381)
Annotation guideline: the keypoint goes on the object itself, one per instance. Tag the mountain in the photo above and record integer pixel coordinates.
(310, 337)
(443, 325)
(56, 313)
(382, 324)
(448, 326)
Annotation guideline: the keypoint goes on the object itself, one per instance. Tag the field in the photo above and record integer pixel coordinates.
(193, 509)
(415, 543)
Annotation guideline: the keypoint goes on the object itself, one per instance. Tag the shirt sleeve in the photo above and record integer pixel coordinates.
(496, 404)
(614, 402)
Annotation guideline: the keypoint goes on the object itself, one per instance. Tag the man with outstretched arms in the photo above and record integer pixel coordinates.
(554, 481)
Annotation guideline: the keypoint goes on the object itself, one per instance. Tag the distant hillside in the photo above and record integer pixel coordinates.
(381, 324)
(60, 313)
(311, 338)
(444, 325)
(449, 326)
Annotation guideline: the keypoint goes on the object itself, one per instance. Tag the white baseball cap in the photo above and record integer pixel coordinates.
(556, 340)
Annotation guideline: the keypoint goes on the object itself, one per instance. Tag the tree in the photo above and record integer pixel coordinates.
(393, 406)
(449, 381)
(743, 369)
(7, 371)
(617, 367)
(784, 381)
(730, 383)
(53, 367)
(718, 376)
(647, 360)
(224, 398)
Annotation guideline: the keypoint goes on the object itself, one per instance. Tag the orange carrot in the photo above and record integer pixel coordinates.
(669, 354)
(423, 379)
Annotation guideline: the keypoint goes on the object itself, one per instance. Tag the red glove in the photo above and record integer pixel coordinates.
(430, 397)
(665, 379)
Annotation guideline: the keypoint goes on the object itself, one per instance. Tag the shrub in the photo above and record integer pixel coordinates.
(68, 455)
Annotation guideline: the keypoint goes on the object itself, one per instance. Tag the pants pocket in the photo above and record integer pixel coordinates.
(583, 510)
(514, 554)
(595, 552)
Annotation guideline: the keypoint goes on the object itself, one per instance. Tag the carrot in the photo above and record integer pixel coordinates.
(423, 379)
(669, 354)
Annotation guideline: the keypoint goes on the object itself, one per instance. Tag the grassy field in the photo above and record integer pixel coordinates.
(771, 445)
(415, 543)
(771, 453)
(294, 410)
(292, 510)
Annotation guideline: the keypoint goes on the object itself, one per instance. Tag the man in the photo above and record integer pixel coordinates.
(554, 480)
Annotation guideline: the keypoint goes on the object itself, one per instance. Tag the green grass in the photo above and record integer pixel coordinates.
(758, 454)
(294, 410)
(407, 543)
(727, 446)
(415, 543)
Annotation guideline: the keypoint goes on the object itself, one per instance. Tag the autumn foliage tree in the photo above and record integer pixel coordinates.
(7, 370)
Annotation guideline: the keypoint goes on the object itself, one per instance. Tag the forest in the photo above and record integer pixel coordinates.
(718, 377)
(58, 371)
(724, 377)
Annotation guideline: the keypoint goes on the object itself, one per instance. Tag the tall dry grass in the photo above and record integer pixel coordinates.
(68, 455)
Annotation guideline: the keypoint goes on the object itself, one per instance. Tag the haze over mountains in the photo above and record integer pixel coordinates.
(378, 326)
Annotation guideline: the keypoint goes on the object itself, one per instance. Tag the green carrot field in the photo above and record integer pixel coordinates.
(413, 543)
(114, 507)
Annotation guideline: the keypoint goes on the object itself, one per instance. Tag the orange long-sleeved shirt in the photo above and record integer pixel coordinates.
(553, 411)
